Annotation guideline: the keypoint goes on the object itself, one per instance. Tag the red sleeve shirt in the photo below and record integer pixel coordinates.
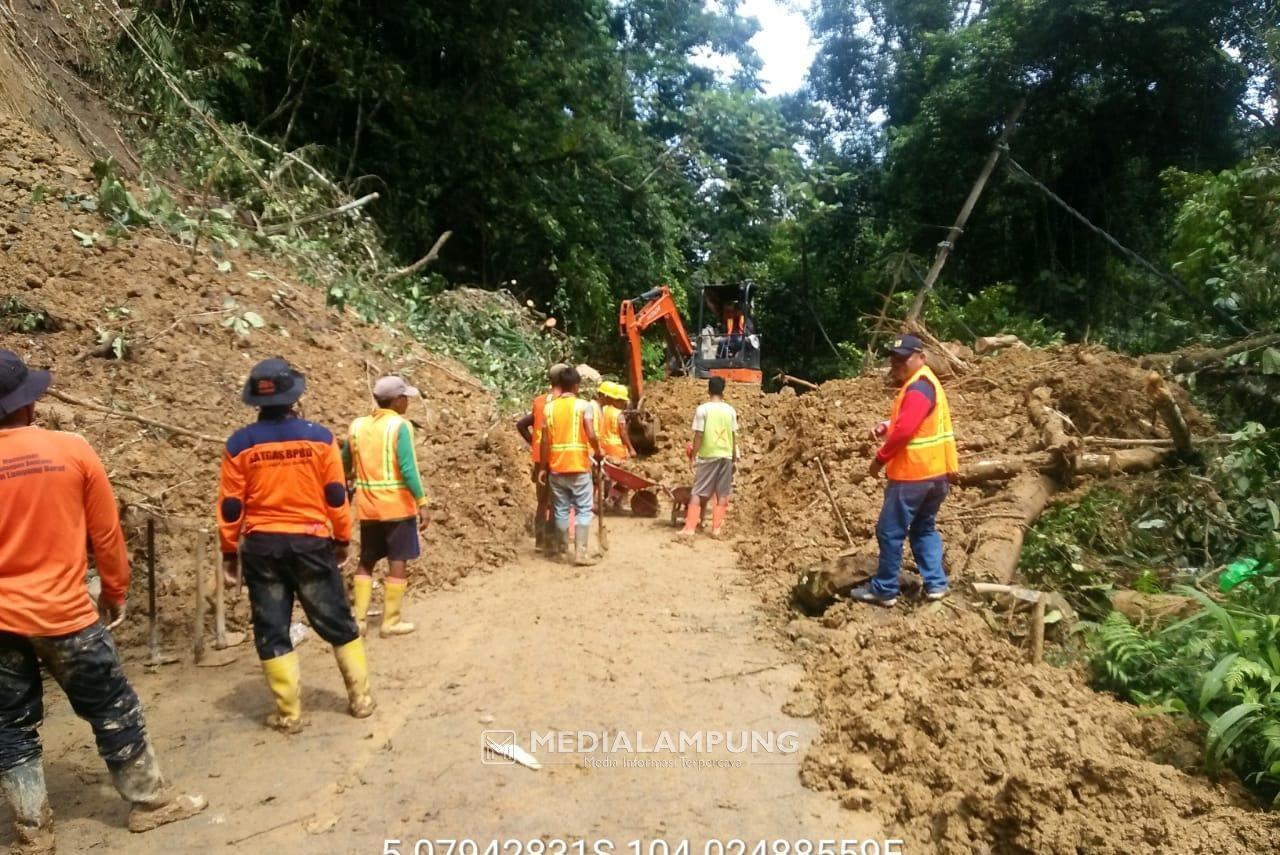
(916, 404)
(54, 501)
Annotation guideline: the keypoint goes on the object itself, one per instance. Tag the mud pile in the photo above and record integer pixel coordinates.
(784, 517)
(960, 745)
(61, 292)
(928, 717)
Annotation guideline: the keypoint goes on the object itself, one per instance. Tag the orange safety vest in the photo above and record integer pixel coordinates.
(735, 324)
(608, 429)
(381, 493)
(566, 424)
(539, 425)
(931, 453)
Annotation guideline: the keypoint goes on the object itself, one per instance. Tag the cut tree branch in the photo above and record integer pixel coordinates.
(432, 255)
(279, 228)
(98, 408)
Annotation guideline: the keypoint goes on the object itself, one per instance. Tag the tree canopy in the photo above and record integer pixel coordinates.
(582, 151)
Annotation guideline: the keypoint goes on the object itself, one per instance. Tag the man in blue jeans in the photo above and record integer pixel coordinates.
(919, 458)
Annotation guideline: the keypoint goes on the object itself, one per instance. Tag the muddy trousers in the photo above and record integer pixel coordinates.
(278, 569)
(86, 666)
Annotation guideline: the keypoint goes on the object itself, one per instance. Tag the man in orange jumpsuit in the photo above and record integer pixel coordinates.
(282, 502)
(55, 498)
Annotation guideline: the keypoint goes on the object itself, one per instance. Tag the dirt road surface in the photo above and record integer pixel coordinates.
(660, 637)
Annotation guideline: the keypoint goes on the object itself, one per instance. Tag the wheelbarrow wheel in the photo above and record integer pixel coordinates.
(644, 503)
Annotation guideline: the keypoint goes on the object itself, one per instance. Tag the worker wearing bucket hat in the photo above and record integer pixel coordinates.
(55, 498)
(283, 516)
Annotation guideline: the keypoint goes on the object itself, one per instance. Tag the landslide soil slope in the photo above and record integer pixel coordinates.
(186, 367)
(928, 717)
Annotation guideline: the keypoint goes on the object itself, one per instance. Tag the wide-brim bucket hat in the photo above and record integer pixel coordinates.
(20, 385)
(273, 383)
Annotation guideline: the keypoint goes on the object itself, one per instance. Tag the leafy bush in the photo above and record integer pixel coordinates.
(1221, 666)
(1174, 524)
(492, 337)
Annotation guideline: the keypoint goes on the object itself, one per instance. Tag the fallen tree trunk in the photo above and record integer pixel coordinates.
(988, 343)
(1152, 608)
(999, 540)
(1189, 361)
(1053, 427)
(1169, 412)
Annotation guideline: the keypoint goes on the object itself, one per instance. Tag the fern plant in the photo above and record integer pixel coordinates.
(1220, 665)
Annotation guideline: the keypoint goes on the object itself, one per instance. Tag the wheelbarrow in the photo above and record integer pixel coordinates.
(644, 492)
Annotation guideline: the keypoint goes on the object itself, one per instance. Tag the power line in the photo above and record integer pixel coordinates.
(1119, 247)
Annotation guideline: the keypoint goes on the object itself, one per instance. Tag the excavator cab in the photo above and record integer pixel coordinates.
(726, 343)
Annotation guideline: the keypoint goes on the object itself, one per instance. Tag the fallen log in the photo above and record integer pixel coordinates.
(1121, 460)
(796, 381)
(1186, 362)
(1052, 425)
(988, 343)
(1152, 608)
(1169, 412)
(999, 540)
(981, 471)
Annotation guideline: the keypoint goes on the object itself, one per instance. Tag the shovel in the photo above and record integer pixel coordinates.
(598, 476)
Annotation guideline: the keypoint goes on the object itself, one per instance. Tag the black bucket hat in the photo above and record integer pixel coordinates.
(273, 383)
(19, 385)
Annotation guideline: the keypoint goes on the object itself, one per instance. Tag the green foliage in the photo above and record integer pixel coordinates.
(1161, 528)
(1221, 665)
(17, 317)
(1226, 236)
(492, 341)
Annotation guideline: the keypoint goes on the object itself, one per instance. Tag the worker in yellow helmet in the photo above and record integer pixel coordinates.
(390, 500)
(611, 398)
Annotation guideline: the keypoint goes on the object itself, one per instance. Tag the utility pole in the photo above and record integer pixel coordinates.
(953, 235)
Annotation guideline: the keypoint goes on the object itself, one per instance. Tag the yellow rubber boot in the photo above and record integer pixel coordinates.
(394, 598)
(362, 594)
(284, 676)
(355, 673)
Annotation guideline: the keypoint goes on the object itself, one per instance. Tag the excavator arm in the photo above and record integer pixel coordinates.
(654, 306)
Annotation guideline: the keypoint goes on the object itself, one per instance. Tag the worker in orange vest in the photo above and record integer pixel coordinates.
(918, 455)
(391, 502)
(55, 499)
(530, 427)
(568, 445)
(283, 518)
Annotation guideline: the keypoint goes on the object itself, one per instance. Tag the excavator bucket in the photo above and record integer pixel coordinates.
(643, 427)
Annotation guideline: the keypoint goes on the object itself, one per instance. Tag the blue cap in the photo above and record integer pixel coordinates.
(905, 345)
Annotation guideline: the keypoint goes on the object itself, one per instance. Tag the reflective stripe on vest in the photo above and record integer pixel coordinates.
(931, 453)
(381, 493)
(610, 436)
(570, 452)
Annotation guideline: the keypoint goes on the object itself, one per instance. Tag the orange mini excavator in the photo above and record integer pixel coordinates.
(727, 346)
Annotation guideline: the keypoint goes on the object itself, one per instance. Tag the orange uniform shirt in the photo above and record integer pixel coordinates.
(539, 425)
(55, 497)
(283, 476)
